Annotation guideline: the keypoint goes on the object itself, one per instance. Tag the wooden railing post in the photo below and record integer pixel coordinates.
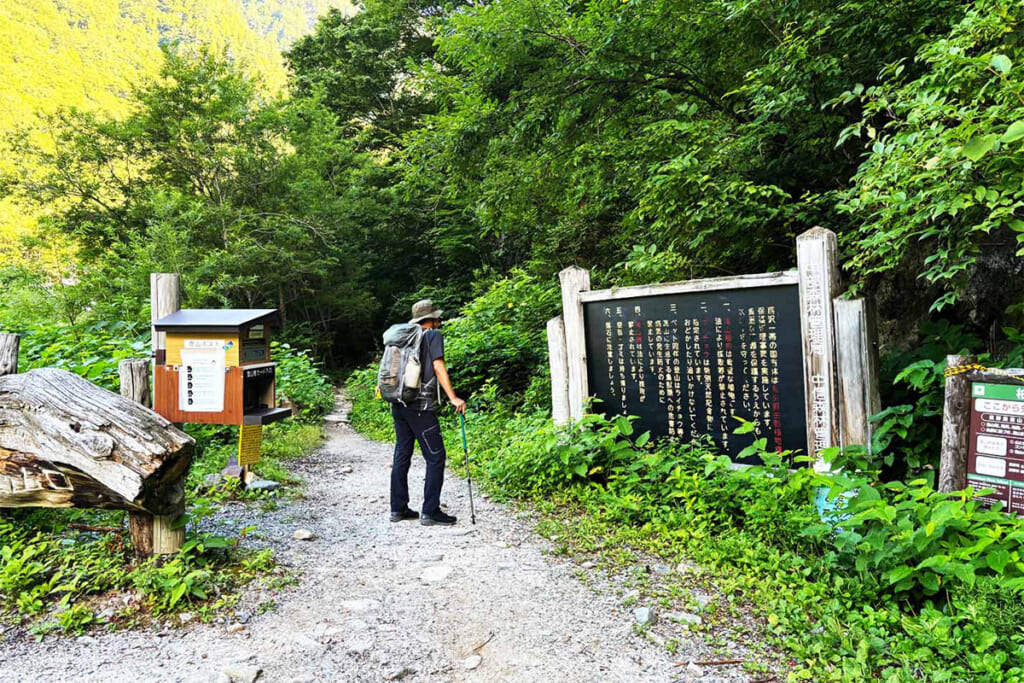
(956, 426)
(150, 534)
(8, 353)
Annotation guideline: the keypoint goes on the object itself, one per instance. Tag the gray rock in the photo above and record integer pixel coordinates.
(702, 600)
(399, 674)
(432, 558)
(303, 535)
(85, 640)
(107, 614)
(471, 662)
(212, 481)
(645, 616)
(694, 670)
(589, 564)
(685, 567)
(186, 617)
(685, 618)
(236, 628)
(302, 678)
(661, 569)
(242, 673)
(263, 485)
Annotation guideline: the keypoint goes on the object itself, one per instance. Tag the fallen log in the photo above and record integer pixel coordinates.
(64, 442)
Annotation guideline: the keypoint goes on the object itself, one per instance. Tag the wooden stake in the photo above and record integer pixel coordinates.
(956, 427)
(8, 353)
(575, 280)
(557, 359)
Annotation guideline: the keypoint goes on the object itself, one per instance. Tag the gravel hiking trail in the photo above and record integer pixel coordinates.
(382, 601)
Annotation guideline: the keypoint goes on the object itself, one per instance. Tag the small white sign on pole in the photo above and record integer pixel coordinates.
(201, 380)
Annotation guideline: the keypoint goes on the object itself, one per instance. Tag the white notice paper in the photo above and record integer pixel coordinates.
(201, 380)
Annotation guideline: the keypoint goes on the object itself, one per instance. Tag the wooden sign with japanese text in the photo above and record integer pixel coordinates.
(687, 363)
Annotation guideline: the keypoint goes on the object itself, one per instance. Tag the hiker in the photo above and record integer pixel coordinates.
(417, 395)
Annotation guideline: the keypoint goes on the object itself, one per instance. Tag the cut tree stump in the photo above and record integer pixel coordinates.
(64, 442)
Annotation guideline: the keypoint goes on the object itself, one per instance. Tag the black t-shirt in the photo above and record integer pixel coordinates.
(431, 349)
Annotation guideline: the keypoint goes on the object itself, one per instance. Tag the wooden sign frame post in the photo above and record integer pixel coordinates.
(818, 271)
(833, 332)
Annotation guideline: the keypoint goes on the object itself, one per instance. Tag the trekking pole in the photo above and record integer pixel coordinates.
(469, 478)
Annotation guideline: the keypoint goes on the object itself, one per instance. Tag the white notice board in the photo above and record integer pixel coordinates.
(201, 380)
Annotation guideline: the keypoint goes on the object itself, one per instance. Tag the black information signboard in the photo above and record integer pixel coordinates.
(685, 364)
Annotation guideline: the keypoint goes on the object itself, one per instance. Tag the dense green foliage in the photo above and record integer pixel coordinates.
(88, 54)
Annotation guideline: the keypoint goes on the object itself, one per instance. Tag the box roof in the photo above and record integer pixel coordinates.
(218, 318)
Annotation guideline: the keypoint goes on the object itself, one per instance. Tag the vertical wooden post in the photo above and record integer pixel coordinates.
(956, 427)
(9, 344)
(164, 299)
(816, 259)
(134, 377)
(557, 360)
(575, 280)
(151, 534)
(857, 364)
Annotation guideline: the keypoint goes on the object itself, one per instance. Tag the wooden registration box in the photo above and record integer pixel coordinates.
(216, 367)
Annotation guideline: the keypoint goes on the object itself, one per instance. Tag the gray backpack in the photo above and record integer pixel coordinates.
(399, 375)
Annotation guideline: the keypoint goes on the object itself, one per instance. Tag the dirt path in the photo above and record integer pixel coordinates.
(378, 601)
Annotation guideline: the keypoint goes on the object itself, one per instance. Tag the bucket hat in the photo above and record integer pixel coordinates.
(425, 310)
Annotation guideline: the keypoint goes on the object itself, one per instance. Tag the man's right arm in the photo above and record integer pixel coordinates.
(441, 370)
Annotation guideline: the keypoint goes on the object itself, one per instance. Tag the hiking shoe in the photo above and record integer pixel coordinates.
(404, 515)
(438, 518)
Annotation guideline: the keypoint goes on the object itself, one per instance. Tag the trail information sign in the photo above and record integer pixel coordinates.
(687, 363)
(996, 447)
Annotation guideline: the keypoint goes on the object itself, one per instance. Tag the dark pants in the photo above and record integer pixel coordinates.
(415, 425)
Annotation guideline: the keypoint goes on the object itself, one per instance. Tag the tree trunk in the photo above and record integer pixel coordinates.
(66, 442)
(956, 426)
